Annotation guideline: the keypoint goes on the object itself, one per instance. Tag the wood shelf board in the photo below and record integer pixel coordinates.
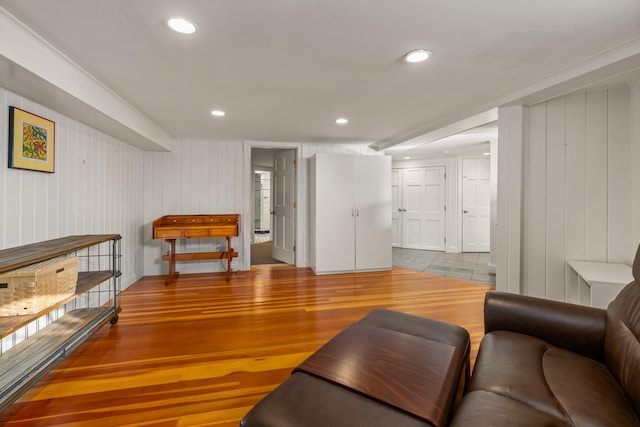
(86, 281)
(13, 258)
(18, 361)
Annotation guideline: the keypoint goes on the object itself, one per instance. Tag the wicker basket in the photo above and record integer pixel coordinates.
(31, 289)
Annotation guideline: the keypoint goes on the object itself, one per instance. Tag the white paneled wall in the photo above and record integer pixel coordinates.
(577, 187)
(196, 177)
(96, 189)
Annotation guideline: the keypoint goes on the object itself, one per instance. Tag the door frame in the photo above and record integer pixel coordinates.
(300, 222)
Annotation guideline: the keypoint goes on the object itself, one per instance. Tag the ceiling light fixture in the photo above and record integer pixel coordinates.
(417, 55)
(342, 121)
(218, 113)
(182, 25)
(486, 154)
(407, 158)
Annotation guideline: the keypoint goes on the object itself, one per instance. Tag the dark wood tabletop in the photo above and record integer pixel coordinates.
(413, 374)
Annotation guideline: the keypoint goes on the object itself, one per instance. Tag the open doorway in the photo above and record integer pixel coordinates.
(262, 241)
(263, 206)
(273, 219)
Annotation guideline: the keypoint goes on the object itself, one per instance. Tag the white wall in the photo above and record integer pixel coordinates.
(196, 177)
(96, 189)
(579, 185)
(262, 158)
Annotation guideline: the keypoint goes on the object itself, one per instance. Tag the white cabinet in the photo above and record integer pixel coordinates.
(350, 206)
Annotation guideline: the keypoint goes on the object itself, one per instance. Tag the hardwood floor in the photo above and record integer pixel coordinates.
(203, 351)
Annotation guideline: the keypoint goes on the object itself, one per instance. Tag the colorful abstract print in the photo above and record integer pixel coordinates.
(34, 142)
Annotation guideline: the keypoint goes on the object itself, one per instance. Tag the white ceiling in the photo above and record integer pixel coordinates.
(472, 142)
(284, 70)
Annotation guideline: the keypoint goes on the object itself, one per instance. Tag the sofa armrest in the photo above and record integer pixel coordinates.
(570, 326)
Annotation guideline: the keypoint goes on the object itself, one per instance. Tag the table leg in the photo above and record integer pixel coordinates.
(229, 252)
(173, 274)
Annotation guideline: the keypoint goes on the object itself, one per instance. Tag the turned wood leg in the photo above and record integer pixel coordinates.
(173, 274)
(229, 252)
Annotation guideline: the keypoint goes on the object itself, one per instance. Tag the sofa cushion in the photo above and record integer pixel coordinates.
(586, 390)
(484, 408)
(510, 364)
(560, 384)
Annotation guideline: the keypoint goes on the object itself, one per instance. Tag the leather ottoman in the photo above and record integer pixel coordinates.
(389, 368)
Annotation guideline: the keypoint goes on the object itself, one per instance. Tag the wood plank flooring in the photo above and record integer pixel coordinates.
(203, 351)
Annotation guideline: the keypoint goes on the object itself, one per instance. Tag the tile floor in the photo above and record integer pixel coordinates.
(261, 236)
(467, 266)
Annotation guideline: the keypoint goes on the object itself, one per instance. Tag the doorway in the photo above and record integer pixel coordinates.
(418, 208)
(476, 200)
(262, 242)
(274, 189)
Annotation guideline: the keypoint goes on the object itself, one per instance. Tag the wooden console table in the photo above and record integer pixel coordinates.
(172, 227)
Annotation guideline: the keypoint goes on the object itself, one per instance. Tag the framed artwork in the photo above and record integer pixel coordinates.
(32, 141)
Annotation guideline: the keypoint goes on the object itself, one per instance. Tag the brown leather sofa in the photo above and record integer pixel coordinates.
(546, 363)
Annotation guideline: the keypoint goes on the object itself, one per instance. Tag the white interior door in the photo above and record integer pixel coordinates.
(284, 180)
(396, 208)
(476, 199)
(423, 196)
(373, 212)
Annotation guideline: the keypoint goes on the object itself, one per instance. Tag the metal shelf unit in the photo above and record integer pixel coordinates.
(31, 345)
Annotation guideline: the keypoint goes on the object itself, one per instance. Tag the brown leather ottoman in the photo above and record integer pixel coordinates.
(389, 368)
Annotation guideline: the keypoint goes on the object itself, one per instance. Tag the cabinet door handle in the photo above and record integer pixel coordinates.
(357, 212)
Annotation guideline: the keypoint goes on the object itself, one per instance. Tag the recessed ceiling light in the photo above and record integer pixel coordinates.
(417, 55)
(218, 113)
(182, 25)
(342, 121)
(486, 154)
(407, 158)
